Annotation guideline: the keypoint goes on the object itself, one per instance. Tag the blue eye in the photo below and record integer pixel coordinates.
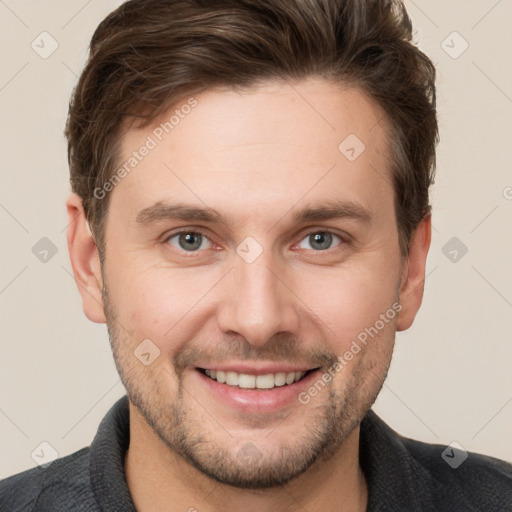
(194, 241)
(319, 240)
(189, 241)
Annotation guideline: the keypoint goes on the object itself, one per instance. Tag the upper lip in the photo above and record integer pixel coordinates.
(253, 369)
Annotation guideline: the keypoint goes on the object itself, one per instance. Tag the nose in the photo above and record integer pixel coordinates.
(258, 302)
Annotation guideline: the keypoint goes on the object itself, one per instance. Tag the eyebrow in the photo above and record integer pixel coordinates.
(326, 210)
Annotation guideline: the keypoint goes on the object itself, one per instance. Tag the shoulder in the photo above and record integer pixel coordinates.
(405, 474)
(484, 481)
(63, 485)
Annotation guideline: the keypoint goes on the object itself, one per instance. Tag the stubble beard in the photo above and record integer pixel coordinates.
(223, 458)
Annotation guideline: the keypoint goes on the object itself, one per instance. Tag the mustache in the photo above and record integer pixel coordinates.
(280, 348)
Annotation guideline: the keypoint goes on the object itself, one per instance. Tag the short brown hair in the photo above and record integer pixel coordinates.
(148, 54)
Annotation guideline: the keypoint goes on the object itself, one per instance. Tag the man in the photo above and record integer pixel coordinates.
(250, 218)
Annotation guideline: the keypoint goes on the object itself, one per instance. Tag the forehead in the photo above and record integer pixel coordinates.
(260, 150)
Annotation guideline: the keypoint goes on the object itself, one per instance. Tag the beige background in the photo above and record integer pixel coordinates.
(450, 379)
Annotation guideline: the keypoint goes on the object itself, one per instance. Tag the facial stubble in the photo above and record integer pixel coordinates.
(236, 462)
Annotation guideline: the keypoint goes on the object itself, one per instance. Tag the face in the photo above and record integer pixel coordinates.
(252, 244)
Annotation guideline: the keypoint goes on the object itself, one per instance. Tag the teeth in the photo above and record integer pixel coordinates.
(265, 381)
(290, 378)
(231, 378)
(246, 381)
(280, 379)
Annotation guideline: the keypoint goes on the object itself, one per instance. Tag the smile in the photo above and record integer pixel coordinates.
(248, 381)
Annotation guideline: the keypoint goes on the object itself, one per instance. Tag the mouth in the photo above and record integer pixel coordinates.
(249, 381)
(254, 389)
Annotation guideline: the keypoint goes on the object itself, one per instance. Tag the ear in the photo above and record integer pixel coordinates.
(413, 274)
(85, 260)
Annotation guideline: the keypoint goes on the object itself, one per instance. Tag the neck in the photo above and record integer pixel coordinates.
(161, 481)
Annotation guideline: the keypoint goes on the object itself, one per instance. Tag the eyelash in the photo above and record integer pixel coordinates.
(344, 240)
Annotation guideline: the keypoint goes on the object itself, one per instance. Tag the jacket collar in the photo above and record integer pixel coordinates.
(397, 479)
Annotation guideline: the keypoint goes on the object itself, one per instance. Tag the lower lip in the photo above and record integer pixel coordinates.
(257, 400)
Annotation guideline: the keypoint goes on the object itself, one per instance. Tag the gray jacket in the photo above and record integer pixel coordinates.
(402, 475)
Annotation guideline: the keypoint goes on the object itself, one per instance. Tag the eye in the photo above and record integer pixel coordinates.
(319, 240)
(190, 241)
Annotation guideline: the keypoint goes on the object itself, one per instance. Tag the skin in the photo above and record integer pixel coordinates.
(257, 157)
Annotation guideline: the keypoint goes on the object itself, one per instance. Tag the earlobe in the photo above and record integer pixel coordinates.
(413, 277)
(85, 260)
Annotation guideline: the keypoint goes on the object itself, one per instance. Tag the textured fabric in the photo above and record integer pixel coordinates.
(402, 475)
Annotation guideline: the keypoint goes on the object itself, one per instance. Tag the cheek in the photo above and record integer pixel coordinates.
(346, 302)
(158, 303)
